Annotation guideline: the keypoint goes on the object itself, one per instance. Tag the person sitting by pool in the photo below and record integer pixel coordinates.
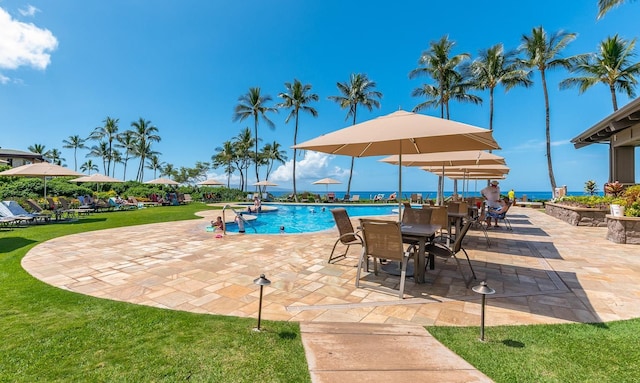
(499, 212)
(257, 205)
(392, 197)
(217, 224)
(240, 221)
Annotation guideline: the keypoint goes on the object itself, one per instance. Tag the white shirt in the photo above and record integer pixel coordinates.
(492, 194)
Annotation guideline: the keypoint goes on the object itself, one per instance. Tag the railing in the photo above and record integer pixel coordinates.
(224, 218)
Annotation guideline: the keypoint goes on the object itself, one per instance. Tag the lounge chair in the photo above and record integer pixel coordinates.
(379, 198)
(444, 251)
(13, 218)
(331, 197)
(383, 240)
(71, 211)
(18, 210)
(348, 236)
(415, 198)
(355, 198)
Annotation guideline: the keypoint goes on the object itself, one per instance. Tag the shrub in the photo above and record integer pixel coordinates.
(630, 199)
(590, 187)
(614, 189)
(593, 201)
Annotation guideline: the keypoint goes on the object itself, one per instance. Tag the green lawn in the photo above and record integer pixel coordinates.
(48, 334)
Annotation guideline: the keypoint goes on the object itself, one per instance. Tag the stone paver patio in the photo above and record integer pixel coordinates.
(544, 271)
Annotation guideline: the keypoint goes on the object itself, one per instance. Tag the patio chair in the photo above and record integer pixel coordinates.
(18, 210)
(331, 197)
(383, 240)
(439, 216)
(443, 251)
(348, 236)
(481, 221)
(416, 198)
(501, 215)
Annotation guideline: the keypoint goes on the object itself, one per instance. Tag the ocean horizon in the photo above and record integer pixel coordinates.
(531, 195)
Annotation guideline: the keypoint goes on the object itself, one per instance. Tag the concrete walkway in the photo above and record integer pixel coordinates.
(544, 271)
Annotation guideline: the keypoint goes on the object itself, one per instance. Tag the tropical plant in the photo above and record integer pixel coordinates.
(224, 158)
(496, 67)
(36, 148)
(100, 151)
(614, 189)
(243, 154)
(88, 166)
(154, 163)
(443, 69)
(54, 156)
(611, 66)
(127, 141)
(542, 52)
(358, 91)
(605, 6)
(297, 98)
(116, 158)
(253, 104)
(590, 187)
(74, 142)
(273, 153)
(107, 132)
(145, 135)
(168, 170)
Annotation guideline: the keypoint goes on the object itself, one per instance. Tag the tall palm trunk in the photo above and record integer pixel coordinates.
(355, 111)
(255, 124)
(613, 97)
(491, 110)
(295, 151)
(552, 179)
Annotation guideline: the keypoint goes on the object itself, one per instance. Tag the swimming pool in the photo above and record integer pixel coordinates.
(305, 218)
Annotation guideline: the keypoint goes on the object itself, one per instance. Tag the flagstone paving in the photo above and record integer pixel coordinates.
(544, 271)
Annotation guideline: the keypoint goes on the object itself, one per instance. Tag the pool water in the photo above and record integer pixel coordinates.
(305, 218)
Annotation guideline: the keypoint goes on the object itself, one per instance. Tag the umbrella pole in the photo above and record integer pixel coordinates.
(399, 196)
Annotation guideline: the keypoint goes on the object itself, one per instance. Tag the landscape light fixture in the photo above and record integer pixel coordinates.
(261, 281)
(484, 290)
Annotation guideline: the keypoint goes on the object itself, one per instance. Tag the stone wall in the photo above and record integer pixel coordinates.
(577, 216)
(623, 230)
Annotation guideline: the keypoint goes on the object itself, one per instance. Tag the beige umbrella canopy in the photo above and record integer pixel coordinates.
(458, 158)
(474, 169)
(97, 178)
(264, 183)
(327, 182)
(40, 169)
(211, 182)
(401, 133)
(163, 181)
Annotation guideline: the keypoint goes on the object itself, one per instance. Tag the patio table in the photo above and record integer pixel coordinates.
(422, 233)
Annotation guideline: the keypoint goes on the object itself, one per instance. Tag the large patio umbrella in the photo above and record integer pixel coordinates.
(211, 182)
(465, 173)
(460, 158)
(327, 182)
(97, 178)
(401, 133)
(40, 169)
(163, 181)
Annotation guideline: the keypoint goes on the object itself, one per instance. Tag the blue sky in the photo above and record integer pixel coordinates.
(183, 64)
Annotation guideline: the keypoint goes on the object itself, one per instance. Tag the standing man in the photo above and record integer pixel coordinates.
(512, 196)
(492, 194)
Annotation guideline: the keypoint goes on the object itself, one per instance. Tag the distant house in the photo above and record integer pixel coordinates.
(15, 158)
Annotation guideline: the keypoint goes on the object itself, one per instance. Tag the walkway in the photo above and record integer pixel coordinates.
(545, 271)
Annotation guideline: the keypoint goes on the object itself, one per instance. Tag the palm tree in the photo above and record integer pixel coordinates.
(455, 88)
(145, 134)
(36, 148)
(88, 166)
(168, 170)
(253, 104)
(224, 157)
(116, 158)
(605, 6)
(100, 151)
(109, 132)
(74, 142)
(243, 155)
(154, 163)
(494, 67)
(273, 153)
(297, 98)
(437, 64)
(126, 141)
(358, 91)
(541, 51)
(611, 66)
(54, 156)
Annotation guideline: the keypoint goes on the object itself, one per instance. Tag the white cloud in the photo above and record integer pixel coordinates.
(30, 11)
(314, 165)
(24, 44)
(4, 79)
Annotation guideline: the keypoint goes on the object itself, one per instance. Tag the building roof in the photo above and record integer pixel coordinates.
(18, 154)
(622, 119)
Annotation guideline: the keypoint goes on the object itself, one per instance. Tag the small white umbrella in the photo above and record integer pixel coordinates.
(211, 182)
(327, 182)
(163, 181)
(97, 178)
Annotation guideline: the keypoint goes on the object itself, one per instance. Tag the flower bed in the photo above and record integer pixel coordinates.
(623, 229)
(577, 215)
